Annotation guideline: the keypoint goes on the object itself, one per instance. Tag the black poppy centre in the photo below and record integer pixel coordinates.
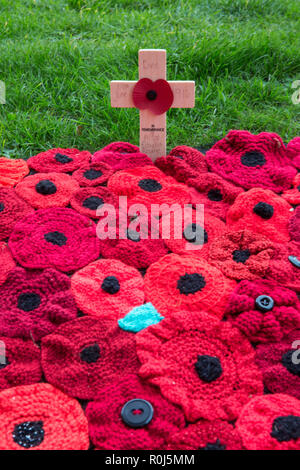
(217, 445)
(264, 210)
(208, 368)
(241, 256)
(92, 174)
(90, 354)
(29, 301)
(110, 285)
(1, 206)
(151, 95)
(190, 283)
(46, 187)
(215, 195)
(56, 238)
(291, 362)
(286, 428)
(252, 159)
(150, 185)
(60, 158)
(93, 202)
(29, 434)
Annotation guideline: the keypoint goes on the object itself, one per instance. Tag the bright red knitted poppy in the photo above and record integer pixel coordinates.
(112, 417)
(40, 417)
(20, 362)
(294, 225)
(182, 163)
(177, 283)
(293, 151)
(93, 174)
(86, 201)
(263, 310)
(241, 255)
(285, 265)
(280, 365)
(205, 435)
(7, 262)
(148, 185)
(84, 355)
(121, 161)
(204, 365)
(34, 303)
(59, 160)
(263, 212)
(44, 190)
(252, 160)
(12, 171)
(293, 195)
(12, 209)
(270, 422)
(108, 288)
(55, 237)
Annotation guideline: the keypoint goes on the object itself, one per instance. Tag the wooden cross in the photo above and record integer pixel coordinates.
(153, 65)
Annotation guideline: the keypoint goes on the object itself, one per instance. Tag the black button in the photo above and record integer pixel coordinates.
(290, 363)
(45, 187)
(29, 434)
(29, 301)
(264, 210)
(214, 195)
(137, 413)
(110, 285)
(151, 95)
(253, 159)
(150, 185)
(60, 158)
(295, 261)
(93, 202)
(264, 303)
(92, 174)
(56, 238)
(1, 206)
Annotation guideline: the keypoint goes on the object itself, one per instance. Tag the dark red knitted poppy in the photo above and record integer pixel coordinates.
(280, 365)
(263, 310)
(12, 209)
(156, 96)
(20, 362)
(112, 417)
(84, 355)
(177, 283)
(121, 161)
(285, 265)
(294, 225)
(55, 237)
(270, 422)
(293, 195)
(204, 365)
(293, 151)
(241, 255)
(12, 171)
(7, 262)
(34, 303)
(86, 201)
(44, 190)
(205, 435)
(59, 160)
(93, 174)
(40, 417)
(263, 212)
(121, 147)
(108, 288)
(252, 160)
(182, 163)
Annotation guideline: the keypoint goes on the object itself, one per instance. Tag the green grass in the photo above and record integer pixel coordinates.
(57, 57)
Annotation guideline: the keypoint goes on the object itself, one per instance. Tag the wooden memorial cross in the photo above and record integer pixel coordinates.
(152, 65)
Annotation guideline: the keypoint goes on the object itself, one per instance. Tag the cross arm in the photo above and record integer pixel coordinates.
(121, 93)
(184, 94)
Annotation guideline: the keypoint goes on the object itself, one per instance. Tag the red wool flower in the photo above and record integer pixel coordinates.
(182, 163)
(120, 147)
(93, 174)
(293, 195)
(285, 265)
(156, 96)
(293, 151)
(59, 160)
(12, 171)
(86, 201)
(12, 209)
(294, 225)
(7, 262)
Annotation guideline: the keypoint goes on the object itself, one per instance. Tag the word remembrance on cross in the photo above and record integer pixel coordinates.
(153, 95)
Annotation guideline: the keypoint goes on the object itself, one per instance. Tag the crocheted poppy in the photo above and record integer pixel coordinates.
(205, 435)
(93, 174)
(121, 161)
(107, 288)
(7, 262)
(34, 303)
(280, 365)
(270, 422)
(121, 147)
(55, 237)
(84, 355)
(293, 195)
(182, 163)
(263, 310)
(59, 160)
(285, 265)
(250, 161)
(12, 209)
(40, 417)
(293, 151)
(204, 365)
(156, 96)
(148, 185)
(129, 414)
(186, 283)
(241, 255)
(86, 201)
(12, 171)
(263, 212)
(44, 190)
(294, 226)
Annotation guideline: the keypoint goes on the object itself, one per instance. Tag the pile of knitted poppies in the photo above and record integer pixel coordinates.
(152, 342)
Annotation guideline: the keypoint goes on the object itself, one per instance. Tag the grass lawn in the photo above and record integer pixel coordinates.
(57, 57)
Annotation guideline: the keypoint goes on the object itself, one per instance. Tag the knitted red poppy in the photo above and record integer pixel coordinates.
(55, 237)
(12, 209)
(293, 195)
(294, 225)
(252, 160)
(86, 201)
(93, 174)
(270, 422)
(12, 171)
(205, 435)
(121, 161)
(182, 163)
(285, 265)
(40, 417)
(20, 362)
(204, 365)
(241, 255)
(34, 303)
(44, 190)
(121, 147)
(59, 160)
(129, 414)
(263, 212)
(280, 365)
(84, 355)
(293, 151)
(177, 283)
(263, 310)
(107, 288)
(148, 185)
(7, 262)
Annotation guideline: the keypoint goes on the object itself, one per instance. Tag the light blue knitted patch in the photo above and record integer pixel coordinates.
(139, 318)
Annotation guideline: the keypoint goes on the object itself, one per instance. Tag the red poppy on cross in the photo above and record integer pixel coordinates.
(153, 96)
